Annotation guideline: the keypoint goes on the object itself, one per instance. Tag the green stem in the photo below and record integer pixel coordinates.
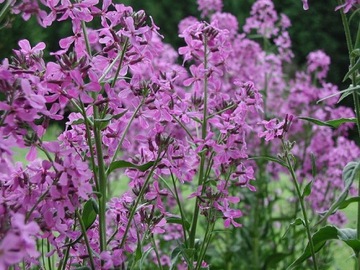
(123, 51)
(355, 98)
(127, 129)
(102, 183)
(156, 252)
(302, 205)
(49, 257)
(184, 127)
(138, 199)
(5, 9)
(63, 262)
(90, 144)
(43, 253)
(203, 154)
(83, 230)
(108, 69)
(205, 244)
(86, 38)
(181, 210)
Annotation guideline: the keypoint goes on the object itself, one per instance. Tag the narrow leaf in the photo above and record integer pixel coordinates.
(126, 164)
(106, 118)
(78, 122)
(119, 115)
(352, 70)
(335, 123)
(270, 158)
(296, 222)
(274, 259)
(348, 236)
(313, 165)
(345, 203)
(178, 220)
(349, 173)
(307, 189)
(175, 256)
(138, 252)
(344, 95)
(144, 255)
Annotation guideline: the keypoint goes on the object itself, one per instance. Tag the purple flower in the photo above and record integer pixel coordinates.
(208, 6)
(155, 194)
(305, 4)
(318, 63)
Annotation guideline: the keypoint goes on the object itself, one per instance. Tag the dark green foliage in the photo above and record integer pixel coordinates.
(325, 24)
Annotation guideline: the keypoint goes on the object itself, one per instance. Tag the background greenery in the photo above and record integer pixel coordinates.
(318, 28)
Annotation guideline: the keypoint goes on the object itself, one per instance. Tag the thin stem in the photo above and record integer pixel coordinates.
(302, 205)
(156, 252)
(180, 208)
(90, 144)
(127, 129)
(203, 244)
(203, 154)
(86, 38)
(184, 127)
(43, 253)
(102, 183)
(5, 9)
(137, 202)
(49, 257)
(113, 235)
(356, 101)
(63, 262)
(123, 51)
(83, 230)
(108, 69)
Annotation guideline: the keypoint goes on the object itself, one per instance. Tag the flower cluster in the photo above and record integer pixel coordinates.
(121, 84)
(129, 105)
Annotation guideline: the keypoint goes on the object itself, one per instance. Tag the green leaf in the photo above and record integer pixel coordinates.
(126, 164)
(138, 252)
(144, 255)
(349, 173)
(178, 220)
(342, 92)
(89, 212)
(104, 122)
(296, 222)
(345, 203)
(78, 122)
(307, 189)
(352, 70)
(174, 256)
(187, 253)
(348, 236)
(270, 158)
(313, 165)
(272, 260)
(335, 123)
(119, 115)
(82, 268)
(344, 95)
(106, 118)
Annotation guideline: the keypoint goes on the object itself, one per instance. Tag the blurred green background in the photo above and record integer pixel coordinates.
(318, 28)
